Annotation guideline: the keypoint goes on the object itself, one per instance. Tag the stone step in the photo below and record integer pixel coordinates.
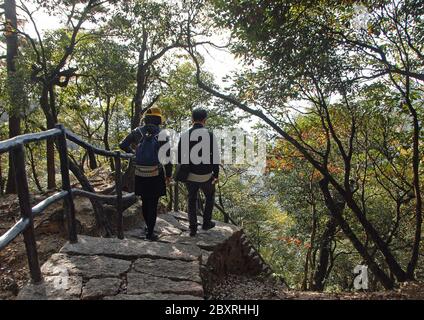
(174, 270)
(152, 296)
(173, 221)
(183, 216)
(85, 266)
(95, 268)
(131, 249)
(207, 240)
(135, 269)
(165, 226)
(53, 288)
(140, 283)
(96, 289)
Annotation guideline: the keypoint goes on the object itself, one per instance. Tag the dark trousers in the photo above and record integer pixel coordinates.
(209, 191)
(150, 212)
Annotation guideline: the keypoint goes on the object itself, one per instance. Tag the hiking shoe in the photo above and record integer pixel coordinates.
(146, 231)
(193, 233)
(152, 237)
(209, 226)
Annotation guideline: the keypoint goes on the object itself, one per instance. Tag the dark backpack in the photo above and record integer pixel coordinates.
(146, 153)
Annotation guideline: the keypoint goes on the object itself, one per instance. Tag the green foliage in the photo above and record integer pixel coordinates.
(182, 95)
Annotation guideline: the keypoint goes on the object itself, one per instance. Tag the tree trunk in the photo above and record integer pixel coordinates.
(310, 249)
(101, 220)
(14, 130)
(92, 161)
(308, 259)
(128, 177)
(417, 190)
(51, 170)
(171, 198)
(332, 207)
(221, 204)
(1, 177)
(391, 261)
(324, 255)
(34, 169)
(12, 52)
(106, 133)
(51, 123)
(140, 90)
(324, 268)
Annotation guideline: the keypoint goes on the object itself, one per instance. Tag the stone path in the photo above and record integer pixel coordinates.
(133, 269)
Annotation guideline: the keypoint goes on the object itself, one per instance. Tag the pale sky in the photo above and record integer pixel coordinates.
(219, 62)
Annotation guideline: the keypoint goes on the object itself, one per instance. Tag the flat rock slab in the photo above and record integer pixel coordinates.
(184, 216)
(131, 249)
(174, 270)
(152, 296)
(163, 227)
(140, 283)
(173, 221)
(135, 233)
(53, 288)
(206, 240)
(186, 224)
(85, 266)
(99, 288)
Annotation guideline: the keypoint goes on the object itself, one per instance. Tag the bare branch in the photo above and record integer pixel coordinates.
(256, 113)
(24, 8)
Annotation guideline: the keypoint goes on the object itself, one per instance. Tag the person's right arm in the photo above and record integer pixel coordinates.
(125, 145)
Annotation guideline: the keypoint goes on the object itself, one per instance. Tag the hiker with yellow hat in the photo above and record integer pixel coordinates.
(151, 176)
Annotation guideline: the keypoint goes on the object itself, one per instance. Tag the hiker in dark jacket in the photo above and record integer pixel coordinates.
(203, 168)
(151, 177)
